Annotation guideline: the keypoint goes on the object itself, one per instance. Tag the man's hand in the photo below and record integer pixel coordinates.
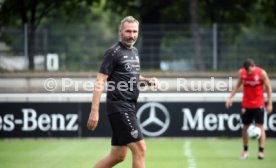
(154, 82)
(93, 120)
(228, 102)
(269, 108)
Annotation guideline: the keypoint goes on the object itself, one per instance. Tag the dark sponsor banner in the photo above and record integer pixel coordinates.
(49, 120)
(39, 120)
(188, 119)
(157, 119)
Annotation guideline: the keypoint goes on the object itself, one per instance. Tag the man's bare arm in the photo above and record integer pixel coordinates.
(268, 89)
(97, 92)
(229, 101)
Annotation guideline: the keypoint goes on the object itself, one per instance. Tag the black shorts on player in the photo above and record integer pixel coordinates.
(125, 128)
(249, 115)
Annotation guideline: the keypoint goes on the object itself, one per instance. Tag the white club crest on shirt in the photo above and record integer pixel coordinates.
(134, 134)
(256, 77)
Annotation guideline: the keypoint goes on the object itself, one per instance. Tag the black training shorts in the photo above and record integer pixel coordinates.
(249, 115)
(125, 128)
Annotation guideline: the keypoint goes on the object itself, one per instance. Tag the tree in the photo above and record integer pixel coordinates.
(264, 12)
(199, 63)
(230, 16)
(153, 14)
(32, 12)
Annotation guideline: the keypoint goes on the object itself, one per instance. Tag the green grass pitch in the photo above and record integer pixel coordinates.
(161, 153)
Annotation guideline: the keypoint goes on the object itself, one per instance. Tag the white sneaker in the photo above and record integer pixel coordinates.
(244, 155)
(261, 155)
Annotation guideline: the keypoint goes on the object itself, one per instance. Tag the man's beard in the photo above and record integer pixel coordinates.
(128, 43)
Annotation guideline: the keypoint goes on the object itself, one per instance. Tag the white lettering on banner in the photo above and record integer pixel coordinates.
(217, 122)
(55, 119)
(272, 122)
(72, 125)
(231, 119)
(210, 122)
(44, 122)
(188, 119)
(29, 116)
(8, 124)
(221, 118)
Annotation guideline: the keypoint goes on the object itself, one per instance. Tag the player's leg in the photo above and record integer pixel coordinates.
(127, 133)
(247, 118)
(261, 141)
(245, 138)
(116, 155)
(245, 141)
(259, 119)
(138, 150)
(135, 140)
(119, 150)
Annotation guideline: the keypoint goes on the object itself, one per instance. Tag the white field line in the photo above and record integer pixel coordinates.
(188, 154)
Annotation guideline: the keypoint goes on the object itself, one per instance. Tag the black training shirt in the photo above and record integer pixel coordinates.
(122, 66)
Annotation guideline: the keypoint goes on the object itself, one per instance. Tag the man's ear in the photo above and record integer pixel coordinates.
(119, 33)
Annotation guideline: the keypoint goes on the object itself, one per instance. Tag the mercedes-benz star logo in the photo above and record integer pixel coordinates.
(157, 115)
(128, 67)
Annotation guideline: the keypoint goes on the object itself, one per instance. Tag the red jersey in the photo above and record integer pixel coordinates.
(253, 91)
